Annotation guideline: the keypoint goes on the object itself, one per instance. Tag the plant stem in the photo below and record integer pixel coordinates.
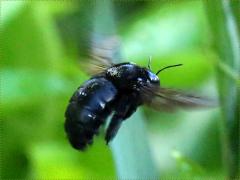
(224, 26)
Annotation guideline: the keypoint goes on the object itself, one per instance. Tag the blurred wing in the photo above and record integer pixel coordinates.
(101, 55)
(164, 99)
(95, 65)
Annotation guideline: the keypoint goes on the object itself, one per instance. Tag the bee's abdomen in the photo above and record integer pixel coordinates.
(87, 110)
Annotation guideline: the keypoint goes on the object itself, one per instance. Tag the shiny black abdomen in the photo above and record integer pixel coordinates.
(88, 108)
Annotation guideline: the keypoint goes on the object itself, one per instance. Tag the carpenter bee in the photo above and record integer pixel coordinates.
(117, 89)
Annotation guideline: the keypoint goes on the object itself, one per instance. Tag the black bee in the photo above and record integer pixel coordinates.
(119, 89)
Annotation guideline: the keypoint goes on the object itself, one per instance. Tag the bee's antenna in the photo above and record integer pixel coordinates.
(168, 67)
(149, 62)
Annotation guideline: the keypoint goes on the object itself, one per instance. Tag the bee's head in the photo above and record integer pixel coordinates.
(153, 78)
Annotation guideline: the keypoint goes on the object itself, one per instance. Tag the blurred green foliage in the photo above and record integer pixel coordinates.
(40, 70)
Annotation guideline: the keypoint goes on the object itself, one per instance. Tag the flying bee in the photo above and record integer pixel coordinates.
(117, 89)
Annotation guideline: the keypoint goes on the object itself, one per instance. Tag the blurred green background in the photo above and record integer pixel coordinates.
(41, 42)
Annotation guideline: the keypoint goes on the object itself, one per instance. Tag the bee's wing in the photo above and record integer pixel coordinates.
(164, 99)
(100, 55)
(95, 65)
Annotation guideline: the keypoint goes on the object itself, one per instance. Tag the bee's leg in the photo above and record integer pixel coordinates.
(113, 127)
(134, 102)
(124, 109)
